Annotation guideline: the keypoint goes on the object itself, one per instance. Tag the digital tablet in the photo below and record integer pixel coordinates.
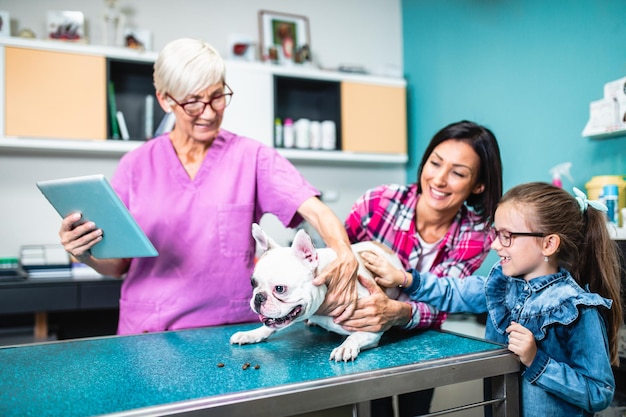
(94, 197)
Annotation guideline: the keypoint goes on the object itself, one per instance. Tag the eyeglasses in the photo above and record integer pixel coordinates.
(506, 238)
(196, 108)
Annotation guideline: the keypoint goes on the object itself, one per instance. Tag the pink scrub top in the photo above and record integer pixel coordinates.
(201, 229)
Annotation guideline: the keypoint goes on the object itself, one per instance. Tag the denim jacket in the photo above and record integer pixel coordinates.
(571, 374)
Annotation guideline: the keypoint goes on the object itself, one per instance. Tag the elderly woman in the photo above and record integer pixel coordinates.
(196, 192)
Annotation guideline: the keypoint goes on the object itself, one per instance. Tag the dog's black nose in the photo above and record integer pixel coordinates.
(259, 299)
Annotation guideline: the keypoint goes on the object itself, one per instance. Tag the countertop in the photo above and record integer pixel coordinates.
(120, 373)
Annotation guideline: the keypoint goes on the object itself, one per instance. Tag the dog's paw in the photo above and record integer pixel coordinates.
(242, 338)
(350, 348)
(346, 352)
(251, 336)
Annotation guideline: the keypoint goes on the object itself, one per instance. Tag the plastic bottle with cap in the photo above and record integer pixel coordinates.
(316, 135)
(278, 132)
(303, 133)
(609, 197)
(329, 135)
(289, 139)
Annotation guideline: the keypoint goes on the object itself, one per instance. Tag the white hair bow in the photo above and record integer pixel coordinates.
(583, 202)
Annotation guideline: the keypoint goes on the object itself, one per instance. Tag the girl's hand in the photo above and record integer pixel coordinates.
(376, 312)
(522, 343)
(385, 274)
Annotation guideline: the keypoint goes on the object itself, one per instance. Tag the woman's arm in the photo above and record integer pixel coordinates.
(339, 275)
(78, 240)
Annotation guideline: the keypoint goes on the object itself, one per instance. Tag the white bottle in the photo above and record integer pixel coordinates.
(278, 133)
(329, 135)
(316, 135)
(289, 139)
(303, 132)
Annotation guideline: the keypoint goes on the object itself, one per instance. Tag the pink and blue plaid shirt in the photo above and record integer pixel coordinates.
(386, 214)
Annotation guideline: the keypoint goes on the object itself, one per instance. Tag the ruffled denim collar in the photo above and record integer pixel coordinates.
(536, 304)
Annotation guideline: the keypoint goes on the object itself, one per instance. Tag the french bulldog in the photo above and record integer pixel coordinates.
(284, 294)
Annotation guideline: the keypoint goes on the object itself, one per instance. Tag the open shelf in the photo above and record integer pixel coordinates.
(609, 133)
(117, 148)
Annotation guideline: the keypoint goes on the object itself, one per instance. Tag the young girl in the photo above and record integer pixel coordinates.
(553, 298)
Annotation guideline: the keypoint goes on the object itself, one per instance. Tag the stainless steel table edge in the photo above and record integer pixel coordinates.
(290, 399)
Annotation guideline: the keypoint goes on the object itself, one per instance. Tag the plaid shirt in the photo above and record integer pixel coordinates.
(386, 214)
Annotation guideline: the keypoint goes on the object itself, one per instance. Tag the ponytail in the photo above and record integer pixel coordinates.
(600, 269)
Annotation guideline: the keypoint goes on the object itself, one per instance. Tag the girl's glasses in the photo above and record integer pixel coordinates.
(506, 238)
(196, 108)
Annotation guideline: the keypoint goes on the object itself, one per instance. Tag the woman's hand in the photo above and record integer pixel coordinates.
(77, 240)
(522, 343)
(340, 277)
(377, 312)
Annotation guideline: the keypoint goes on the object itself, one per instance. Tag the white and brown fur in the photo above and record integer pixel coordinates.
(283, 290)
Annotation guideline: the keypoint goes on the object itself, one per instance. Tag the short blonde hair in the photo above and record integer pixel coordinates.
(186, 66)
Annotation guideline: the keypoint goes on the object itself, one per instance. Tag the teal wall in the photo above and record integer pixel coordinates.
(527, 69)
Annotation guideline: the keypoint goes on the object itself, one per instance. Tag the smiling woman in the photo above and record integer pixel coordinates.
(438, 224)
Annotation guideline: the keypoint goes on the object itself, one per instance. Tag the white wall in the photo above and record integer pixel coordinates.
(362, 32)
(25, 216)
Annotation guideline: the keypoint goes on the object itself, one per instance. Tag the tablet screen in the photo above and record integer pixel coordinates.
(94, 197)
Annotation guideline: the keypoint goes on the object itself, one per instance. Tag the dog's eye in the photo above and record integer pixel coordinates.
(280, 289)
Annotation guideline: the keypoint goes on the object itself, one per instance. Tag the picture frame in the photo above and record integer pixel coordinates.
(140, 39)
(5, 23)
(66, 25)
(284, 38)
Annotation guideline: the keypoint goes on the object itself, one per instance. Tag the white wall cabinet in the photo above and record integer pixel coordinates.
(365, 137)
(25, 157)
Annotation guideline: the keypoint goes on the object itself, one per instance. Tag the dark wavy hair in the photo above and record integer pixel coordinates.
(484, 143)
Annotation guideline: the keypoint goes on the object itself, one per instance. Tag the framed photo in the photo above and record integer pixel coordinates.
(66, 25)
(284, 37)
(5, 23)
(140, 39)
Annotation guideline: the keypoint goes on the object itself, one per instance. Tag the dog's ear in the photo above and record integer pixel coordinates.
(303, 248)
(265, 242)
